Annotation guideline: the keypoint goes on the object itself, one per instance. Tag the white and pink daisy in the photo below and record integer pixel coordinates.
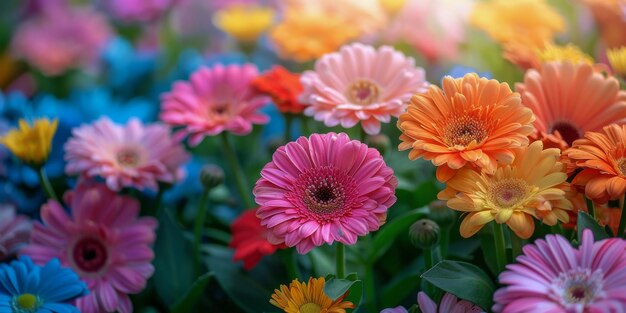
(14, 231)
(323, 189)
(131, 155)
(103, 240)
(214, 100)
(361, 84)
(552, 276)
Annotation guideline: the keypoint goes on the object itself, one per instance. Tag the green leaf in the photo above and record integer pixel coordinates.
(188, 301)
(464, 280)
(335, 288)
(585, 221)
(388, 233)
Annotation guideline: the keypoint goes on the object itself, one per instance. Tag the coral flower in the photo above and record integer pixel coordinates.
(250, 240)
(283, 87)
(31, 144)
(361, 84)
(103, 240)
(14, 231)
(602, 158)
(308, 297)
(533, 186)
(560, 93)
(131, 155)
(214, 100)
(617, 59)
(244, 23)
(552, 276)
(609, 17)
(323, 189)
(472, 121)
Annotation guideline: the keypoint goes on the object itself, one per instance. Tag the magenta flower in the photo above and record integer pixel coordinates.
(449, 304)
(138, 10)
(14, 231)
(133, 155)
(214, 100)
(322, 189)
(103, 240)
(361, 84)
(552, 276)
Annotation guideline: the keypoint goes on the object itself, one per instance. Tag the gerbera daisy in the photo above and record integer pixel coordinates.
(361, 83)
(245, 23)
(552, 276)
(532, 186)
(14, 231)
(472, 121)
(560, 94)
(214, 100)
(250, 240)
(602, 158)
(308, 297)
(449, 304)
(617, 59)
(322, 189)
(31, 144)
(131, 155)
(103, 240)
(283, 87)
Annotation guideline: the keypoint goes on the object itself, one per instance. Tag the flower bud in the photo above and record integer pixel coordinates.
(424, 234)
(211, 176)
(441, 213)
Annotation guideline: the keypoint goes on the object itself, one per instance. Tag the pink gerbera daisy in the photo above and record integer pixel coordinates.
(14, 231)
(552, 276)
(361, 83)
(322, 189)
(103, 240)
(449, 304)
(214, 100)
(133, 155)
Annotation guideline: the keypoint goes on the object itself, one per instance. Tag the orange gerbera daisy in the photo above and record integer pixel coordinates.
(571, 99)
(602, 157)
(534, 185)
(283, 87)
(475, 121)
(301, 297)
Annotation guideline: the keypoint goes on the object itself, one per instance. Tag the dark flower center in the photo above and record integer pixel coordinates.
(568, 132)
(90, 254)
(464, 129)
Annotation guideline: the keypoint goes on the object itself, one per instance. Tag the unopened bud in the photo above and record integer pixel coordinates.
(424, 234)
(211, 176)
(441, 213)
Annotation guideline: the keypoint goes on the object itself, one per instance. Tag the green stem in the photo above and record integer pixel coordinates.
(304, 124)
(370, 288)
(590, 209)
(516, 245)
(363, 135)
(45, 183)
(428, 259)
(288, 122)
(444, 241)
(341, 260)
(156, 210)
(240, 178)
(622, 220)
(498, 234)
(290, 261)
(197, 230)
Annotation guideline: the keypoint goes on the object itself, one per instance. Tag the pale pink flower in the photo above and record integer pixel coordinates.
(138, 10)
(131, 155)
(449, 304)
(214, 100)
(361, 84)
(14, 231)
(323, 189)
(103, 240)
(552, 276)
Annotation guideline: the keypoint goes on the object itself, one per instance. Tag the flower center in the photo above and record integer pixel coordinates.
(621, 166)
(310, 308)
(463, 130)
(219, 109)
(507, 193)
(128, 157)
(26, 303)
(363, 92)
(578, 286)
(568, 132)
(90, 254)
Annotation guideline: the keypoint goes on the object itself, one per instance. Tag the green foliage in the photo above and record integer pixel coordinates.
(586, 221)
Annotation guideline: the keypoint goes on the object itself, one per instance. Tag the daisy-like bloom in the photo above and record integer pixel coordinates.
(532, 186)
(14, 231)
(244, 23)
(29, 288)
(283, 87)
(214, 100)
(103, 240)
(449, 304)
(568, 53)
(602, 158)
(617, 59)
(250, 240)
(301, 297)
(31, 144)
(552, 276)
(323, 189)
(361, 84)
(559, 95)
(138, 10)
(473, 121)
(526, 56)
(131, 155)
(609, 17)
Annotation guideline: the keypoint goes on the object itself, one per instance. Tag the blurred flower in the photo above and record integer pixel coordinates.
(131, 155)
(323, 189)
(138, 10)
(26, 287)
(473, 122)
(14, 231)
(250, 240)
(214, 100)
(568, 53)
(308, 297)
(617, 59)
(31, 144)
(392, 6)
(449, 303)
(244, 23)
(458, 71)
(103, 240)
(61, 38)
(559, 94)
(602, 158)
(554, 276)
(532, 186)
(361, 84)
(125, 68)
(283, 87)
(610, 16)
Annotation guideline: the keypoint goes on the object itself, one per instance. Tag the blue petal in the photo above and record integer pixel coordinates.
(61, 308)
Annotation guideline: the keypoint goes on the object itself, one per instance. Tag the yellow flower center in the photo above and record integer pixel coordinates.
(27, 301)
(621, 166)
(464, 129)
(508, 193)
(310, 307)
(363, 92)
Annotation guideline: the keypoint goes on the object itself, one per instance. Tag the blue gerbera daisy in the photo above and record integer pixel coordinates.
(29, 288)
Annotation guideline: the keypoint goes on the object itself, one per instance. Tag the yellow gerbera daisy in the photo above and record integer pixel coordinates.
(309, 297)
(569, 52)
(617, 59)
(534, 185)
(31, 144)
(244, 23)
